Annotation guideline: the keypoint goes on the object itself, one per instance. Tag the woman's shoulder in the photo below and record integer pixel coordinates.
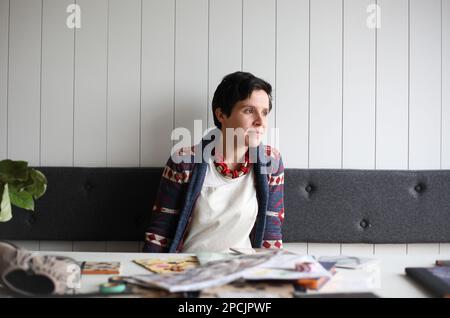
(182, 158)
(271, 151)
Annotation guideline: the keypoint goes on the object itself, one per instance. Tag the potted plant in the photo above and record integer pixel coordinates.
(20, 185)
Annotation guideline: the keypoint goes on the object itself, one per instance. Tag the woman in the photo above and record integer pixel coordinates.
(233, 196)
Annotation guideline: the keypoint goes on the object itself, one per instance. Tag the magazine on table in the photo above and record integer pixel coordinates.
(277, 265)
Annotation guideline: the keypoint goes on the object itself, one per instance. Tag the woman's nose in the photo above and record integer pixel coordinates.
(259, 119)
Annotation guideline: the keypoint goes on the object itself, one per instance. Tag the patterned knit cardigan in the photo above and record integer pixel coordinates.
(181, 183)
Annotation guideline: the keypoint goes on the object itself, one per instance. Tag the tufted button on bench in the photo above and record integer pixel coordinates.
(365, 224)
(419, 188)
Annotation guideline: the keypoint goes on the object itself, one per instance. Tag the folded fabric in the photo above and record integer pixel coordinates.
(32, 274)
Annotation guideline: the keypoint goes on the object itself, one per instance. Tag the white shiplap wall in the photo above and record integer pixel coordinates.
(110, 93)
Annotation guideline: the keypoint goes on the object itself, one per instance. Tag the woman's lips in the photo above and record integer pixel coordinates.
(255, 132)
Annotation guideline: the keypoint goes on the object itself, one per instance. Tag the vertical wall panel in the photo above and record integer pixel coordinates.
(358, 124)
(390, 249)
(57, 85)
(421, 249)
(392, 86)
(66, 246)
(91, 84)
(292, 80)
(425, 84)
(124, 54)
(225, 44)
(157, 88)
(122, 247)
(258, 47)
(89, 246)
(357, 249)
(325, 143)
(191, 65)
(326, 84)
(4, 46)
(445, 84)
(29, 245)
(444, 249)
(445, 37)
(358, 87)
(299, 248)
(323, 249)
(24, 81)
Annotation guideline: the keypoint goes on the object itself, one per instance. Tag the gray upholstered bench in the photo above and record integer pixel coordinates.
(321, 206)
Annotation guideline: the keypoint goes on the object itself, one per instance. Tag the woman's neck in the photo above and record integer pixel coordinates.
(232, 155)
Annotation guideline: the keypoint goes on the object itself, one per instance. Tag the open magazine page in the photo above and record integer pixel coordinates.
(221, 272)
(286, 267)
(351, 262)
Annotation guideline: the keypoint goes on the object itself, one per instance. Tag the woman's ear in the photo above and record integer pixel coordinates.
(219, 114)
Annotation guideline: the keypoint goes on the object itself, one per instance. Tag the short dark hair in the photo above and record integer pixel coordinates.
(235, 87)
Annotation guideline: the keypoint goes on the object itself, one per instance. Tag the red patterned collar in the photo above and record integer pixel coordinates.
(240, 170)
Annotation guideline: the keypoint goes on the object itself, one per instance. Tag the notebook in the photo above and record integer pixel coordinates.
(435, 279)
(100, 268)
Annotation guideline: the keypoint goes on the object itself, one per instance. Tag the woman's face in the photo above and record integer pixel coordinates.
(250, 115)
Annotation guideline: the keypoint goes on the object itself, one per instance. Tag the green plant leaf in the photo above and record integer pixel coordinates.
(22, 199)
(13, 171)
(38, 184)
(16, 186)
(20, 185)
(5, 203)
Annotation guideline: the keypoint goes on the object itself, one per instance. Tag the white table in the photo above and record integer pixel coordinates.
(392, 280)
